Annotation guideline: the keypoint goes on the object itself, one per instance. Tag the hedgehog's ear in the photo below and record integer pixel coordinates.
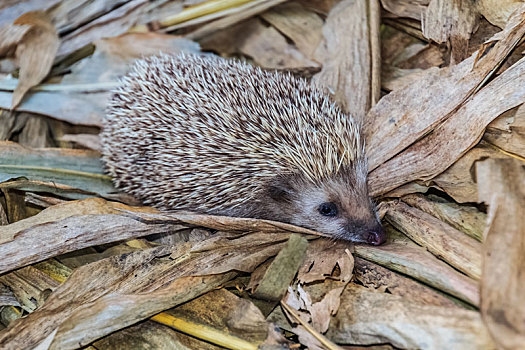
(280, 189)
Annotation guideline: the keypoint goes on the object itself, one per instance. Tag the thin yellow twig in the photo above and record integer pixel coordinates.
(203, 332)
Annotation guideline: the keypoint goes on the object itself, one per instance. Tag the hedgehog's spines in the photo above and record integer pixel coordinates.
(222, 130)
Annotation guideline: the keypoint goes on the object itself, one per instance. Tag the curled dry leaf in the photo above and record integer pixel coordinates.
(458, 181)
(35, 52)
(501, 185)
(323, 310)
(112, 23)
(406, 8)
(302, 26)
(323, 257)
(507, 132)
(367, 318)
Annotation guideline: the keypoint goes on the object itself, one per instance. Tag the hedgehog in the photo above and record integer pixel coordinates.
(219, 136)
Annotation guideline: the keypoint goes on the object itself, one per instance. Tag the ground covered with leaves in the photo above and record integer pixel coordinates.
(438, 86)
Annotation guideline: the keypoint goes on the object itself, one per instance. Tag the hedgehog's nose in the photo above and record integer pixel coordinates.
(377, 236)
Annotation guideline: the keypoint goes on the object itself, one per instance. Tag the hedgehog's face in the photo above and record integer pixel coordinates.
(340, 207)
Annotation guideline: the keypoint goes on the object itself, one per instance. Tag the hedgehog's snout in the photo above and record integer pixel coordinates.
(376, 236)
(360, 232)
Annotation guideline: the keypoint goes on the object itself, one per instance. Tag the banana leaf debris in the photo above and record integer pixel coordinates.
(439, 89)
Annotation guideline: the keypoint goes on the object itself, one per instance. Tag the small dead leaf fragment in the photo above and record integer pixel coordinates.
(323, 310)
(450, 22)
(35, 52)
(322, 257)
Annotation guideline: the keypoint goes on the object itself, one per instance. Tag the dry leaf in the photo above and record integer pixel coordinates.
(323, 310)
(457, 181)
(435, 153)
(416, 262)
(498, 12)
(322, 258)
(379, 278)
(35, 52)
(450, 22)
(230, 17)
(467, 219)
(501, 185)
(150, 334)
(367, 318)
(346, 57)
(222, 313)
(302, 26)
(442, 240)
(406, 8)
(10, 36)
(406, 115)
(71, 226)
(111, 24)
(508, 131)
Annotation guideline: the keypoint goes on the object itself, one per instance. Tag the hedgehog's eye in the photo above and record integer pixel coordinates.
(328, 209)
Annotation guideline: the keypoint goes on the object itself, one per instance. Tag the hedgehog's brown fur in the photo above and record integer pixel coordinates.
(219, 136)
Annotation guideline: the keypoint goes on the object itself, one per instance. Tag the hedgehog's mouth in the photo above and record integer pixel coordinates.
(375, 235)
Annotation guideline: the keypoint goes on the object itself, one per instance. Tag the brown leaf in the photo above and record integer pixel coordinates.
(324, 309)
(322, 257)
(450, 22)
(221, 312)
(406, 8)
(498, 12)
(113, 23)
(501, 185)
(467, 219)
(346, 57)
(457, 181)
(302, 26)
(10, 36)
(35, 52)
(507, 132)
